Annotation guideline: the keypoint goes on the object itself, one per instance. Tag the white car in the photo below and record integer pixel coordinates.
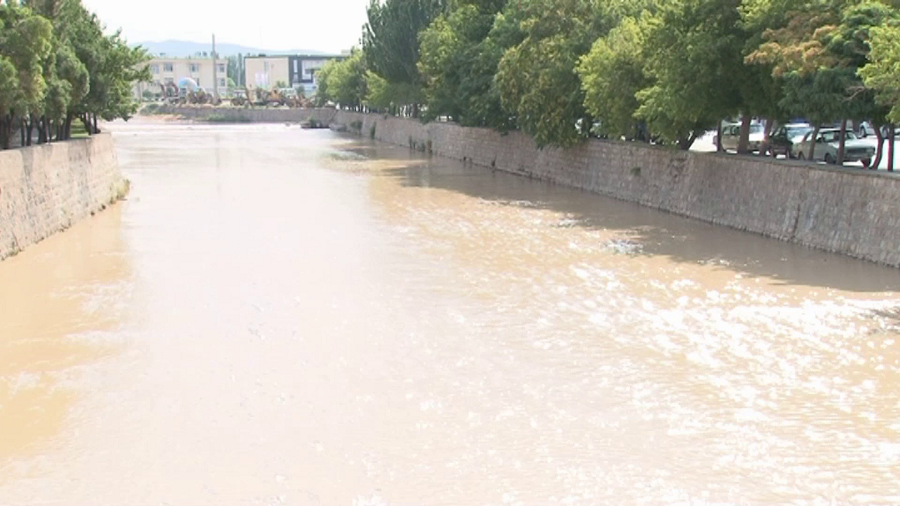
(731, 136)
(827, 144)
(865, 129)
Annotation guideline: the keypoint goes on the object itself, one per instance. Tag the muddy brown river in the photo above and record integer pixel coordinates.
(283, 316)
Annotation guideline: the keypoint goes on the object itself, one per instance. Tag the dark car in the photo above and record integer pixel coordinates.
(781, 142)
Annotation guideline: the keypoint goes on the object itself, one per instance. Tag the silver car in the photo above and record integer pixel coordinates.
(827, 144)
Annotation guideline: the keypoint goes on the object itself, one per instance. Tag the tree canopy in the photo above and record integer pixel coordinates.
(56, 65)
(652, 71)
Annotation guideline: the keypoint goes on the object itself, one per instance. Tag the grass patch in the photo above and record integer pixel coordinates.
(121, 190)
(221, 118)
(78, 130)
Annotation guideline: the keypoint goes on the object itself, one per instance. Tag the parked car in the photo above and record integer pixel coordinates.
(782, 141)
(731, 136)
(865, 128)
(827, 144)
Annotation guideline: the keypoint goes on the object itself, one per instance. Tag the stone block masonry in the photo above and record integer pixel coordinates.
(45, 189)
(849, 211)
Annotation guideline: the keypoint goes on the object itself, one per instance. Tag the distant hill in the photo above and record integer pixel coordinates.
(183, 48)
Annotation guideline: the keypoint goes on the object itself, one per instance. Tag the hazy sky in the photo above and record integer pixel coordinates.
(327, 25)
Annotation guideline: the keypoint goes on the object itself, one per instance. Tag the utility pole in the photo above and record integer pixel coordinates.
(215, 69)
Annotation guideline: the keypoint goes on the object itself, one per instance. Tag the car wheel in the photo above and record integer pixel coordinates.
(789, 154)
(866, 162)
(801, 156)
(830, 159)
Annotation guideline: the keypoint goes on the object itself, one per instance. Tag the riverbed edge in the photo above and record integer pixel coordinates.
(47, 188)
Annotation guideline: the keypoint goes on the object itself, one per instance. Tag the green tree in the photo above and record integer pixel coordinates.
(880, 73)
(537, 78)
(390, 41)
(235, 69)
(819, 54)
(695, 57)
(346, 81)
(458, 63)
(323, 93)
(612, 74)
(25, 43)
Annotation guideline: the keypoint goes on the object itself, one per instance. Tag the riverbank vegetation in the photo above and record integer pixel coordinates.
(663, 71)
(56, 66)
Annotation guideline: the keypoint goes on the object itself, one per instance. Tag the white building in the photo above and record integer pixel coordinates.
(172, 70)
(294, 71)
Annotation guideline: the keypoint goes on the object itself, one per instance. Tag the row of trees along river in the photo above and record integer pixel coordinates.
(56, 65)
(661, 70)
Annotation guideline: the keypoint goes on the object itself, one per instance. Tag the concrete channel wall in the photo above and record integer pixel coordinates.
(250, 114)
(842, 210)
(45, 189)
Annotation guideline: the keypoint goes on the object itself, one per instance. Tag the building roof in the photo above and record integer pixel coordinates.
(302, 56)
(185, 58)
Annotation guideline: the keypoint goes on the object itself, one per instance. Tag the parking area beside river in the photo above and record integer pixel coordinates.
(706, 144)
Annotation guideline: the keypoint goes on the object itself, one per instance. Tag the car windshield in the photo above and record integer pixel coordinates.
(756, 129)
(835, 136)
(798, 131)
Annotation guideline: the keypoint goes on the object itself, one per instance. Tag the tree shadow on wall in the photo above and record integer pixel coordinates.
(656, 232)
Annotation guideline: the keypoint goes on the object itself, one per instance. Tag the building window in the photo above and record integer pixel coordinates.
(195, 67)
(167, 67)
(154, 69)
(222, 68)
(222, 82)
(169, 80)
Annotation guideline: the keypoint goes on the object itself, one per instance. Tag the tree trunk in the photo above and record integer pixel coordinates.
(879, 150)
(764, 149)
(587, 123)
(842, 142)
(67, 127)
(96, 130)
(685, 143)
(812, 144)
(891, 148)
(744, 141)
(85, 119)
(718, 138)
(29, 130)
(4, 132)
(42, 131)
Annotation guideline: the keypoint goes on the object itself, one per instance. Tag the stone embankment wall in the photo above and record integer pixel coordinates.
(45, 189)
(249, 114)
(843, 210)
